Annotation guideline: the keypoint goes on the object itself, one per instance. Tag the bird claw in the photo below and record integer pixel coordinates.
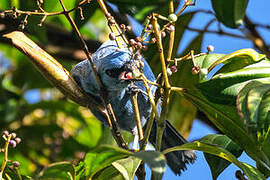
(132, 89)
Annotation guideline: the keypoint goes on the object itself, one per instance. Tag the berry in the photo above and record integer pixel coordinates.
(128, 28)
(132, 42)
(210, 48)
(15, 163)
(163, 34)
(123, 27)
(171, 28)
(173, 69)
(138, 38)
(13, 135)
(172, 17)
(18, 140)
(5, 133)
(12, 143)
(108, 15)
(153, 40)
(112, 36)
(169, 72)
(139, 45)
(196, 70)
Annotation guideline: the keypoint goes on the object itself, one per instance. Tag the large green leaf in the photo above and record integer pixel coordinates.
(237, 60)
(238, 68)
(253, 105)
(250, 171)
(224, 87)
(230, 12)
(217, 165)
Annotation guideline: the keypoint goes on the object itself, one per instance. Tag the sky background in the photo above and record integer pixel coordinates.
(258, 12)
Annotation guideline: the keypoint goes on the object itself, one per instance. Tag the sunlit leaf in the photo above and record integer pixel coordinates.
(217, 165)
(250, 171)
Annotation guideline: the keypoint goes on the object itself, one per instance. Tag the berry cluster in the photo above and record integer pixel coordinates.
(14, 140)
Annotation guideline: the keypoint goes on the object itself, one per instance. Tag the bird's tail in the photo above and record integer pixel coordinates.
(176, 160)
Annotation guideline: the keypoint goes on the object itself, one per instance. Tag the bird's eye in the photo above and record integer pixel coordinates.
(115, 72)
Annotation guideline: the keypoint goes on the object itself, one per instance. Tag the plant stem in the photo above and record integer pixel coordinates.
(166, 88)
(172, 33)
(134, 100)
(5, 160)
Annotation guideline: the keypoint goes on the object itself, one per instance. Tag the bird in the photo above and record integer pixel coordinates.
(115, 68)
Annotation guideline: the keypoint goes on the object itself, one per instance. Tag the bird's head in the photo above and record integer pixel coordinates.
(115, 66)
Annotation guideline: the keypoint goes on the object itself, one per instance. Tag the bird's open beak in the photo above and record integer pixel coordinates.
(125, 75)
(129, 73)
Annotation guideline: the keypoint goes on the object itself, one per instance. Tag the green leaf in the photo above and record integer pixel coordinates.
(237, 60)
(4, 5)
(100, 158)
(224, 87)
(226, 119)
(59, 170)
(103, 156)
(230, 12)
(127, 167)
(217, 165)
(253, 103)
(250, 171)
(155, 160)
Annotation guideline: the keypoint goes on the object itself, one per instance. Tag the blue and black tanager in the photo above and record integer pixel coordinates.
(115, 67)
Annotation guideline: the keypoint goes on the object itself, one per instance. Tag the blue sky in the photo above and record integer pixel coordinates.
(258, 11)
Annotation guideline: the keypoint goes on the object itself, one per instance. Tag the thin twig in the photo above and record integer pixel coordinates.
(187, 3)
(43, 12)
(255, 37)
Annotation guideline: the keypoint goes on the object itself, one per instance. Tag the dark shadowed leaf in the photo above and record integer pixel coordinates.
(230, 12)
(59, 171)
(100, 158)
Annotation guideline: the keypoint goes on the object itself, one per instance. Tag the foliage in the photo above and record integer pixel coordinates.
(62, 140)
